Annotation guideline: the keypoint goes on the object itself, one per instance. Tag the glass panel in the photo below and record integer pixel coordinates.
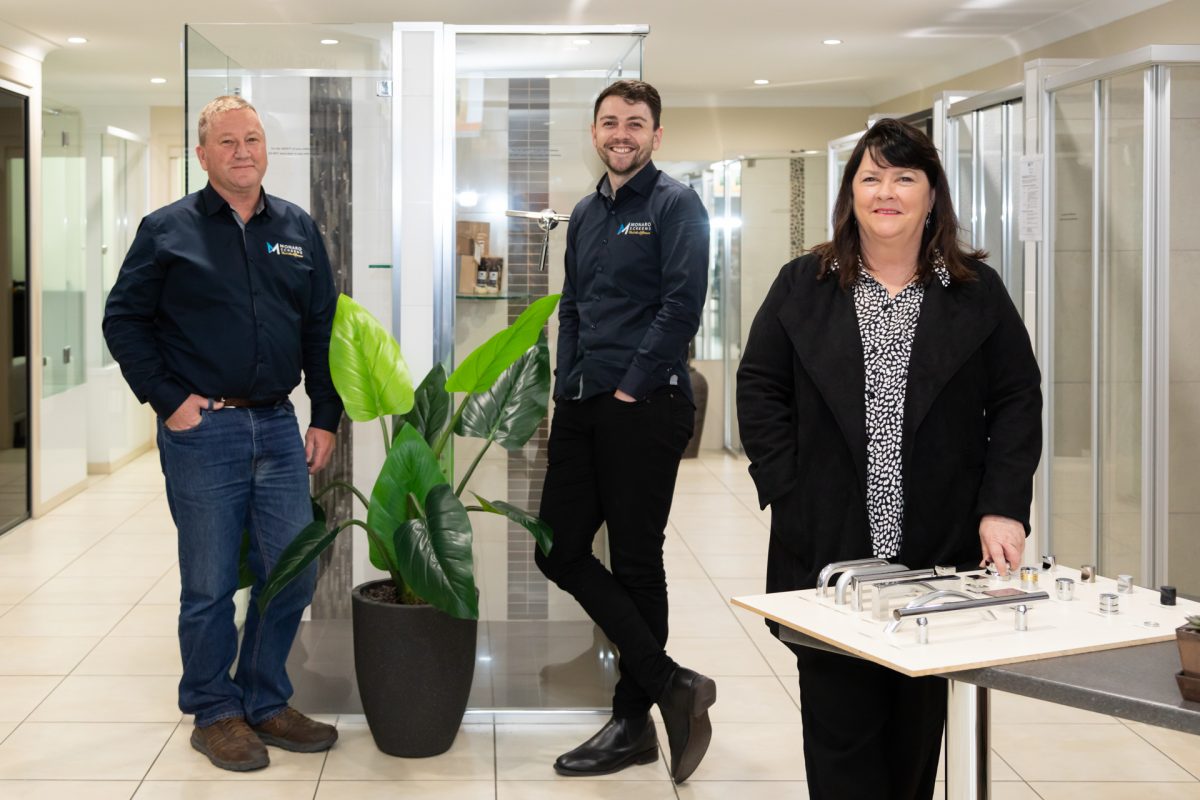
(210, 73)
(123, 181)
(1014, 266)
(964, 175)
(64, 242)
(1120, 377)
(990, 222)
(1183, 388)
(523, 143)
(14, 312)
(1070, 454)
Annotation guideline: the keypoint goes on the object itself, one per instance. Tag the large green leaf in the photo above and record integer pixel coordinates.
(368, 370)
(302, 551)
(540, 530)
(434, 555)
(479, 370)
(511, 410)
(431, 410)
(410, 467)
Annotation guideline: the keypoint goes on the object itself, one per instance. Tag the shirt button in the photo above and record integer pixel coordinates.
(604, 241)
(593, 326)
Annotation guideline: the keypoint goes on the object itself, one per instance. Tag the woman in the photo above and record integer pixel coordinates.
(890, 405)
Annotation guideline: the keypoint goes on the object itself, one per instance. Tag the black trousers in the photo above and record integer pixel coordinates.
(869, 733)
(613, 462)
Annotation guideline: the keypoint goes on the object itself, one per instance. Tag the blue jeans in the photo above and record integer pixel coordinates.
(238, 469)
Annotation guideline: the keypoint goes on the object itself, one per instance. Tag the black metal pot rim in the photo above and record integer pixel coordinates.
(357, 594)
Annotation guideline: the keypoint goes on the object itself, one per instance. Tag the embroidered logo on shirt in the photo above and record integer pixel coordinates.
(636, 229)
(280, 249)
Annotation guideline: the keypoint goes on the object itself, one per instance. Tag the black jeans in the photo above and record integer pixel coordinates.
(614, 462)
(869, 733)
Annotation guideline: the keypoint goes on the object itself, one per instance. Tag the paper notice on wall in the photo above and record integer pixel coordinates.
(1029, 212)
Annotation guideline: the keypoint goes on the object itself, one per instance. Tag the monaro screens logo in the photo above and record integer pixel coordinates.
(280, 249)
(636, 229)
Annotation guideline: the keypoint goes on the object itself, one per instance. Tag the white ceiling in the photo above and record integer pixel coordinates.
(699, 52)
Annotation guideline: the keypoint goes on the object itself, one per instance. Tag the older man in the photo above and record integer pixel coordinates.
(224, 298)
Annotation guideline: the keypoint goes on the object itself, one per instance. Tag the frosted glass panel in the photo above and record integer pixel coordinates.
(1120, 326)
(1071, 448)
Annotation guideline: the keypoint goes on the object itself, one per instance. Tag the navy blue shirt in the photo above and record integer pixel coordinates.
(637, 273)
(204, 306)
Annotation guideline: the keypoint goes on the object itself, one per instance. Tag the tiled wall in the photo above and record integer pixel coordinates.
(528, 190)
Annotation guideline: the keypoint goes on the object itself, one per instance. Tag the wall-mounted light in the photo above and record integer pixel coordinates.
(831, 41)
(76, 40)
(761, 81)
(329, 41)
(158, 80)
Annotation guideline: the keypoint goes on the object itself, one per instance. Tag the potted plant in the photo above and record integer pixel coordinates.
(415, 632)
(1187, 637)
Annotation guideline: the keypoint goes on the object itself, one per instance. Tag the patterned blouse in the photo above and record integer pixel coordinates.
(887, 326)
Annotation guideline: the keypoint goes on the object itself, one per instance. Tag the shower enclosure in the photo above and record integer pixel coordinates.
(1118, 331)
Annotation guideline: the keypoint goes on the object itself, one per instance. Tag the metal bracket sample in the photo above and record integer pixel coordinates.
(921, 606)
(861, 584)
(829, 570)
(848, 574)
(884, 593)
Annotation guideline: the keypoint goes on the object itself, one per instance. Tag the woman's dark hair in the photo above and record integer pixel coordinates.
(893, 143)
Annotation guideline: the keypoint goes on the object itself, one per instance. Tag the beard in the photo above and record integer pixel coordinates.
(637, 159)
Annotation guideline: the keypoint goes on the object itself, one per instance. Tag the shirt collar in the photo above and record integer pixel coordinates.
(642, 183)
(214, 203)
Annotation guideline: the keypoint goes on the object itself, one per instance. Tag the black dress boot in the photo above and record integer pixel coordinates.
(621, 743)
(684, 705)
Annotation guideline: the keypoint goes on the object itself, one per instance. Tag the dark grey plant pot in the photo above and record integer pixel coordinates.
(414, 666)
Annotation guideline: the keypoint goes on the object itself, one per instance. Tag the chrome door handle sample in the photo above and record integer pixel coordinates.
(829, 570)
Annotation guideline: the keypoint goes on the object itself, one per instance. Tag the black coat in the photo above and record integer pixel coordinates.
(972, 434)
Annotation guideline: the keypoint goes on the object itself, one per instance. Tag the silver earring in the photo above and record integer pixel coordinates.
(929, 219)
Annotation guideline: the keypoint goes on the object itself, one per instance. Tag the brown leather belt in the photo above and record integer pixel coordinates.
(248, 402)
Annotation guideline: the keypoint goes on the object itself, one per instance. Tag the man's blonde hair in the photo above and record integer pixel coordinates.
(227, 102)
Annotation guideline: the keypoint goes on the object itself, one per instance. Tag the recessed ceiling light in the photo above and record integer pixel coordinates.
(329, 41)
(76, 40)
(581, 42)
(761, 82)
(831, 41)
(158, 80)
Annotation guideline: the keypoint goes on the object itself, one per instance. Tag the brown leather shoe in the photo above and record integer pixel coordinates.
(230, 744)
(293, 731)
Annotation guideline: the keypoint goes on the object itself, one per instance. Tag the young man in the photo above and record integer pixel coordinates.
(636, 276)
(224, 297)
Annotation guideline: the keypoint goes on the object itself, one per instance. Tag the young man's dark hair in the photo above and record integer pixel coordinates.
(633, 92)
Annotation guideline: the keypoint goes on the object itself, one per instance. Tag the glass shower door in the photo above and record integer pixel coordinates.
(14, 310)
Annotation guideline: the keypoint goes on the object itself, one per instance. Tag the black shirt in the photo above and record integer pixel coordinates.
(637, 273)
(204, 305)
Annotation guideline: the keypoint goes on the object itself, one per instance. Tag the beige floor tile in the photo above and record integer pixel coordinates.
(356, 758)
(32, 565)
(747, 699)
(16, 588)
(724, 565)
(63, 545)
(716, 657)
(580, 789)
(699, 622)
(1017, 709)
(723, 544)
(741, 525)
(149, 620)
(82, 751)
(133, 655)
(93, 528)
(408, 790)
(1011, 790)
(132, 544)
(147, 524)
(1117, 791)
(697, 483)
(111, 698)
(165, 591)
(743, 790)
(124, 590)
(93, 564)
(219, 790)
(67, 790)
(61, 620)
(693, 592)
(682, 565)
(1082, 752)
(103, 505)
(719, 504)
(753, 752)
(1182, 748)
(179, 762)
(43, 655)
(20, 694)
(6, 728)
(527, 753)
